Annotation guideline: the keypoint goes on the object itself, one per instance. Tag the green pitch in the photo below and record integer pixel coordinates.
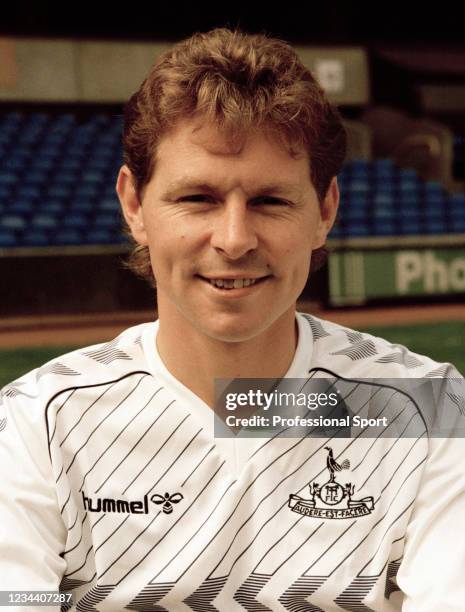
(441, 341)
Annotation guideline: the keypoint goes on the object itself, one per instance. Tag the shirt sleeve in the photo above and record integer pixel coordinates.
(32, 532)
(431, 574)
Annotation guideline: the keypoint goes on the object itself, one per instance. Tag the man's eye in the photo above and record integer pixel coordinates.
(270, 200)
(198, 197)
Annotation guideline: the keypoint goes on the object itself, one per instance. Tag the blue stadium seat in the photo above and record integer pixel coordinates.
(70, 163)
(406, 200)
(457, 225)
(358, 186)
(28, 191)
(13, 222)
(35, 238)
(435, 226)
(90, 190)
(103, 221)
(8, 177)
(66, 177)
(456, 202)
(22, 207)
(383, 168)
(42, 164)
(5, 191)
(82, 203)
(54, 205)
(111, 204)
(433, 211)
(45, 221)
(384, 199)
(7, 239)
(384, 212)
(34, 177)
(410, 213)
(59, 191)
(92, 176)
(75, 220)
(359, 214)
(99, 236)
(385, 228)
(68, 237)
(356, 230)
(410, 227)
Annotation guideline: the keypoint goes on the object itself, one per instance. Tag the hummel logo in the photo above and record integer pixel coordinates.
(167, 500)
(137, 506)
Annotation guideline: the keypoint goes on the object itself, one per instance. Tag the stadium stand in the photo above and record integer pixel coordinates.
(380, 199)
(57, 179)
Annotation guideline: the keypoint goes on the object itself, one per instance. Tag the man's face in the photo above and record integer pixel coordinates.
(230, 233)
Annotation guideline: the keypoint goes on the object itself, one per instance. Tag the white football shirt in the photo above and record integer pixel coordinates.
(115, 488)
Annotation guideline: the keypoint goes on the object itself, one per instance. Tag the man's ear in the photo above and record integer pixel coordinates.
(131, 205)
(328, 212)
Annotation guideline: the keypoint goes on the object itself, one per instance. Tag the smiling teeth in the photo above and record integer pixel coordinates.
(236, 283)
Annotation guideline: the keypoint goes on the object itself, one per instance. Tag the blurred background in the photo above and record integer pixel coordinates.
(396, 263)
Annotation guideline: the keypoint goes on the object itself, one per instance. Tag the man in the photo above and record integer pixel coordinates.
(118, 490)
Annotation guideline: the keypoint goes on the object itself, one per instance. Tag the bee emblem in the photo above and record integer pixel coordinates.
(167, 500)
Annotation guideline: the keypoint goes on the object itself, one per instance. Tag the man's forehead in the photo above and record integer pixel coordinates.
(229, 141)
(198, 154)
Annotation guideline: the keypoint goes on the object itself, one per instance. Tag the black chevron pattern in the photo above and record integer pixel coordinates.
(246, 594)
(458, 400)
(441, 372)
(138, 341)
(56, 368)
(409, 361)
(352, 597)
(107, 353)
(295, 597)
(353, 336)
(93, 597)
(201, 599)
(358, 350)
(14, 390)
(391, 582)
(148, 598)
(316, 327)
(67, 585)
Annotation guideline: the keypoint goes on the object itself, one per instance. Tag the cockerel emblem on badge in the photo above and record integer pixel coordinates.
(332, 500)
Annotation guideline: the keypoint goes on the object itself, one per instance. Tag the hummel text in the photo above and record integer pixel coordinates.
(115, 505)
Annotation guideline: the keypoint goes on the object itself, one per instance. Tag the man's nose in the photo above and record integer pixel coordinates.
(234, 232)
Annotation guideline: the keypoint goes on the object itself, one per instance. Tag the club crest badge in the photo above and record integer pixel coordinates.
(332, 500)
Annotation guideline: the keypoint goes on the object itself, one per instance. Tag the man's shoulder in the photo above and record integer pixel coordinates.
(352, 352)
(90, 365)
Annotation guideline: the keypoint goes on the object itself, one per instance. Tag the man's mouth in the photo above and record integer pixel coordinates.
(233, 283)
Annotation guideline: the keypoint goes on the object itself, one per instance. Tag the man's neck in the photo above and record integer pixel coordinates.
(196, 359)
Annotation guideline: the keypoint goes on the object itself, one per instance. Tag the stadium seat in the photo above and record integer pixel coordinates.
(7, 239)
(13, 222)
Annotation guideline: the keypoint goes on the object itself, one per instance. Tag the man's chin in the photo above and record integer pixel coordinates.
(233, 333)
(237, 328)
